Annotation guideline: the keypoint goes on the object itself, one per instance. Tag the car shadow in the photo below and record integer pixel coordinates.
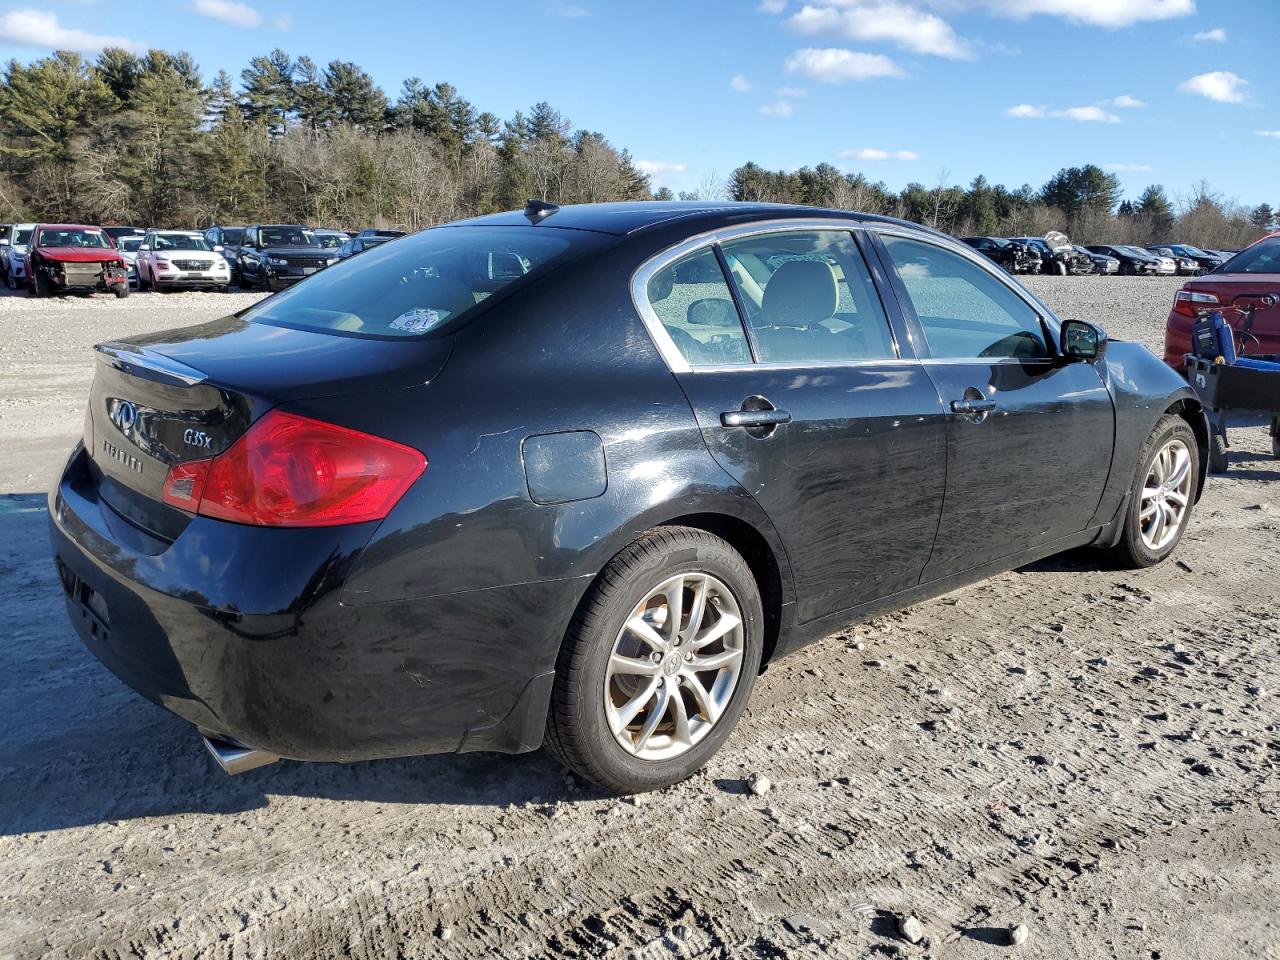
(82, 748)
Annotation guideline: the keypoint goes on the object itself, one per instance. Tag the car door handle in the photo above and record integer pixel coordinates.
(972, 406)
(754, 418)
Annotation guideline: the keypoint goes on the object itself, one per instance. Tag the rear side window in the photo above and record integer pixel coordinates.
(694, 303)
(965, 310)
(418, 283)
(809, 298)
(1260, 258)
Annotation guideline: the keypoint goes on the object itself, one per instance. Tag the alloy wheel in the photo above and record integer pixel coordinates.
(674, 666)
(1166, 494)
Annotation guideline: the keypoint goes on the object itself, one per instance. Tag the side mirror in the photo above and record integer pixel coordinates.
(1082, 340)
(144, 247)
(217, 248)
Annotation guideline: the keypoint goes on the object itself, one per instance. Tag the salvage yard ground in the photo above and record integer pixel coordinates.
(1089, 752)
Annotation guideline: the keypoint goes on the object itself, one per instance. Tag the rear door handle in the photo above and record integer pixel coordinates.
(972, 406)
(754, 418)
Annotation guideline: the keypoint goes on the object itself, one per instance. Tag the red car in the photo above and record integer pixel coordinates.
(73, 258)
(1250, 278)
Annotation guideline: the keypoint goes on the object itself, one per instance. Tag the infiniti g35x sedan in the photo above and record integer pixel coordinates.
(575, 476)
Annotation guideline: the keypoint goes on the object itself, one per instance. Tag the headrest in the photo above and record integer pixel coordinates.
(800, 293)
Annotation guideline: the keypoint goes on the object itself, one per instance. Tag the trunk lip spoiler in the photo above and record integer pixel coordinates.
(147, 364)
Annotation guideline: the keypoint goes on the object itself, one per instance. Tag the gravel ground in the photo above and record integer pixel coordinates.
(1089, 753)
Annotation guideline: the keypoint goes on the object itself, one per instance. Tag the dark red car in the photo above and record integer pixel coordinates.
(73, 258)
(1250, 278)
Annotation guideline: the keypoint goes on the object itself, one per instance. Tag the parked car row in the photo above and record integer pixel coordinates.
(49, 259)
(1054, 253)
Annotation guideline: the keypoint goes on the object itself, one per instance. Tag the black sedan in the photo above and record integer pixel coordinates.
(1134, 261)
(574, 476)
(1015, 257)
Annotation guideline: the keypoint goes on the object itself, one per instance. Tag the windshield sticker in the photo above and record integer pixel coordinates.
(419, 320)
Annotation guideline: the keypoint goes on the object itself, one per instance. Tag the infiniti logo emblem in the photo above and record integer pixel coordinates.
(123, 414)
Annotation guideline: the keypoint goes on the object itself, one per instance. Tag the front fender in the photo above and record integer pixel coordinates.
(1143, 390)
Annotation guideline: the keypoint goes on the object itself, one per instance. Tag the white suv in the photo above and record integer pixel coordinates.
(180, 258)
(15, 254)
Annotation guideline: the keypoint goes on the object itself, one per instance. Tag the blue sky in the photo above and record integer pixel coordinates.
(1167, 91)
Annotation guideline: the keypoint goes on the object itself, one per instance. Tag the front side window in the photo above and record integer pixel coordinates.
(418, 284)
(73, 238)
(809, 298)
(965, 310)
(694, 304)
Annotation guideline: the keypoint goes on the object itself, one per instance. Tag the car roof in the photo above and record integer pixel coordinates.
(620, 219)
(68, 226)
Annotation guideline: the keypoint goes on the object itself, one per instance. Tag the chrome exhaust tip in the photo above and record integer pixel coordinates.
(235, 758)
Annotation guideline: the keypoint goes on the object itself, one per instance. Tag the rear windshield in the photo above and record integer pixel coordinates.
(1260, 258)
(417, 284)
(73, 238)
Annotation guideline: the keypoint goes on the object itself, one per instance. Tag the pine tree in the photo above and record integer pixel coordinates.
(1262, 216)
(1154, 205)
(353, 97)
(268, 90)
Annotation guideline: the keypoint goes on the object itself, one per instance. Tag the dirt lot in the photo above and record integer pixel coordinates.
(1087, 752)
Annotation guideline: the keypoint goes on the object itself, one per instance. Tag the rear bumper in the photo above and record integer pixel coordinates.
(240, 631)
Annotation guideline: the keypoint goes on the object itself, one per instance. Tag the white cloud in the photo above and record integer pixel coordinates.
(229, 11)
(1216, 35)
(884, 20)
(1098, 13)
(793, 93)
(772, 6)
(835, 65)
(739, 84)
(1221, 85)
(1274, 134)
(872, 153)
(35, 28)
(1087, 115)
(1125, 102)
(1025, 111)
(661, 168)
(1128, 167)
(782, 108)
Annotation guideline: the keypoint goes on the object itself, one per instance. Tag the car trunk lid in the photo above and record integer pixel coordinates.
(188, 394)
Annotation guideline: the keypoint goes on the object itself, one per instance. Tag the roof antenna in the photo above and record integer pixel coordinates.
(539, 210)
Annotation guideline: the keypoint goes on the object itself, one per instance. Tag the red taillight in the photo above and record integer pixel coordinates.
(292, 471)
(1189, 303)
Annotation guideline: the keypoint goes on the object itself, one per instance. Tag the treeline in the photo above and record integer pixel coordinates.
(1084, 202)
(144, 139)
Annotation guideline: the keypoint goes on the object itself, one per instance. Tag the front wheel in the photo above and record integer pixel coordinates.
(1275, 438)
(1162, 496)
(659, 662)
(121, 290)
(39, 285)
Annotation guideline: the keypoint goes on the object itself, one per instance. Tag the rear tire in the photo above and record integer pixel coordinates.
(590, 721)
(1167, 488)
(1218, 462)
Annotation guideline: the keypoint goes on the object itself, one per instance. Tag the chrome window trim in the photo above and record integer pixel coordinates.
(658, 333)
(1038, 307)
